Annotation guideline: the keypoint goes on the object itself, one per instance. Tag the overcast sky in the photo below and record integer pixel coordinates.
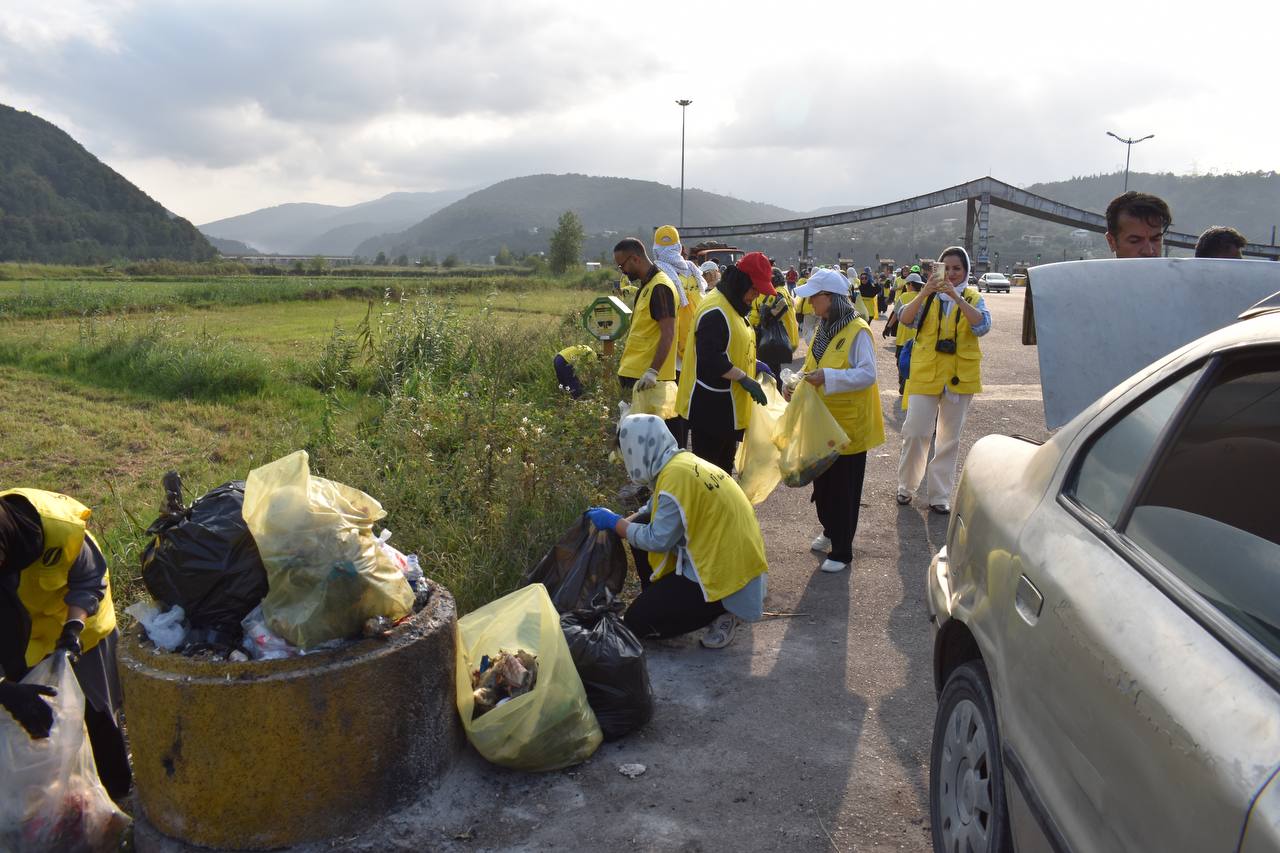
(219, 108)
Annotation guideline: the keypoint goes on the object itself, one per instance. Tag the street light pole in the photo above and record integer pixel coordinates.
(1128, 148)
(683, 102)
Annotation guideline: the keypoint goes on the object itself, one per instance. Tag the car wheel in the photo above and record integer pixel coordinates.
(966, 777)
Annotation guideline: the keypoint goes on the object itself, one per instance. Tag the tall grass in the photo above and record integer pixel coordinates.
(162, 359)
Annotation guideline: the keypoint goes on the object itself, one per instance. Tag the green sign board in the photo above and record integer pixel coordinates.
(607, 319)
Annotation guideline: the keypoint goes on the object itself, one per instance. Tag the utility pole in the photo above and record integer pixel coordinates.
(683, 102)
(1129, 143)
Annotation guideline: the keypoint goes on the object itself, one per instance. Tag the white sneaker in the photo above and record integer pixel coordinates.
(720, 632)
(832, 566)
(822, 545)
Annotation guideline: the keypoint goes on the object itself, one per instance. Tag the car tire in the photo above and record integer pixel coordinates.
(966, 775)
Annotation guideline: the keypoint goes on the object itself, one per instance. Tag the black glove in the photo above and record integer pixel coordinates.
(752, 387)
(24, 703)
(69, 640)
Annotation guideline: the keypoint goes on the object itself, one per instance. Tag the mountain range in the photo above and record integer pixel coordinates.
(60, 204)
(326, 229)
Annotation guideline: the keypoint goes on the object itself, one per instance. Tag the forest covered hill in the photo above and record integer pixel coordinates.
(60, 204)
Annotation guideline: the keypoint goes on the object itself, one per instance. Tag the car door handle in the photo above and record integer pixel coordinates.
(1028, 601)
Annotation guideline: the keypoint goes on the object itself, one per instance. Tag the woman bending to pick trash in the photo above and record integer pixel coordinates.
(699, 538)
(946, 371)
(841, 365)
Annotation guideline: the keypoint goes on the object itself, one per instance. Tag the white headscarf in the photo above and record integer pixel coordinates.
(646, 446)
(674, 264)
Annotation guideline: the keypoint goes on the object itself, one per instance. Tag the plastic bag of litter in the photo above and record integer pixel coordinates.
(808, 438)
(551, 726)
(326, 574)
(50, 796)
(610, 661)
(659, 400)
(758, 457)
(583, 564)
(164, 628)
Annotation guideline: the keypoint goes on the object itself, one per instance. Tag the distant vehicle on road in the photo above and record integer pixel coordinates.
(1107, 618)
(722, 253)
(1018, 280)
(990, 281)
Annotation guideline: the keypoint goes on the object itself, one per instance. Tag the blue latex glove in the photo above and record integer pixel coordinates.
(602, 518)
(761, 367)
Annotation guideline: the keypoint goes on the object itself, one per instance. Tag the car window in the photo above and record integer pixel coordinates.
(1209, 512)
(1110, 466)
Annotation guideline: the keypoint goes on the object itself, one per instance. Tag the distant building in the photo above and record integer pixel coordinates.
(1033, 239)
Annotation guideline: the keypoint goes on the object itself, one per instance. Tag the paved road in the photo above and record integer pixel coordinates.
(811, 732)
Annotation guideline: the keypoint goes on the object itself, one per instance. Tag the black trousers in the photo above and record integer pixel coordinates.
(677, 426)
(668, 607)
(837, 495)
(567, 376)
(718, 448)
(902, 380)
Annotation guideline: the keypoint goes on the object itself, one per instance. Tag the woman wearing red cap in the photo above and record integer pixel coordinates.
(718, 384)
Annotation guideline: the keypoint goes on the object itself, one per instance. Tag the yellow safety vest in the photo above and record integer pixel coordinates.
(42, 586)
(685, 313)
(742, 354)
(905, 332)
(802, 304)
(857, 412)
(788, 319)
(720, 527)
(932, 371)
(642, 340)
(576, 353)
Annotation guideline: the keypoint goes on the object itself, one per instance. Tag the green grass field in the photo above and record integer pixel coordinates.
(436, 397)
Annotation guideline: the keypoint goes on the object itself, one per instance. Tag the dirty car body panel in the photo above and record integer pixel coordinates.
(1129, 633)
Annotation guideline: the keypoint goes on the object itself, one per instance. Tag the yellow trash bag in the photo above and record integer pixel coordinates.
(659, 400)
(551, 726)
(758, 457)
(808, 438)
(325, 573)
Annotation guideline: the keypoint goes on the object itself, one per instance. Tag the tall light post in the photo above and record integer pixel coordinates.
(1128, 148)
(683, 102)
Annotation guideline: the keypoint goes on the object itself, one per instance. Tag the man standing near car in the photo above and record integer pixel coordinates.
(1136, 225)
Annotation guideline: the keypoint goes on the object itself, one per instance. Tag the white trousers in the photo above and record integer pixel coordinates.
(924, 413)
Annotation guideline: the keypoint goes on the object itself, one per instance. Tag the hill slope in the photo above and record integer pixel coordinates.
(60, 204)
(520, 212)
(326, 229)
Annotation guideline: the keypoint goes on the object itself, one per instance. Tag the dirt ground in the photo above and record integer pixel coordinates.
(810, 732)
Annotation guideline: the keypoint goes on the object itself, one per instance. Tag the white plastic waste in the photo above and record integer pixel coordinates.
(164, 628)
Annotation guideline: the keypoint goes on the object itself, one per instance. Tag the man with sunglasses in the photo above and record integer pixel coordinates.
(649, 355)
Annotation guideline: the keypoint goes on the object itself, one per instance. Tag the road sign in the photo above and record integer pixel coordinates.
(607, 319)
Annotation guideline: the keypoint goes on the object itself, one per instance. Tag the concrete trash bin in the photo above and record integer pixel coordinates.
(268, 754)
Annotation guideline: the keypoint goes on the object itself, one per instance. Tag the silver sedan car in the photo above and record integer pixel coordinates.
(1107, 618)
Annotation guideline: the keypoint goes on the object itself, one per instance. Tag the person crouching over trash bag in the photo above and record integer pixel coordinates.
(699, 537)
(55, 595)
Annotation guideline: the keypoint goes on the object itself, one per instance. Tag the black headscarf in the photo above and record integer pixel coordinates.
(21, 536)
(734, 284)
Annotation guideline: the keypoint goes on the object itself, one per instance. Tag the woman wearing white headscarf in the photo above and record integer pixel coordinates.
(841, 365)
(699, 540)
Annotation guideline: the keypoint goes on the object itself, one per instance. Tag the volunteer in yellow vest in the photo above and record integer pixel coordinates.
(902, 332)
(649, 355)
(55, 596)
(719, 381)
(668, 254)
(698, 548)
(779, 309)
(945, 373)
(566, 363)
(841, 365)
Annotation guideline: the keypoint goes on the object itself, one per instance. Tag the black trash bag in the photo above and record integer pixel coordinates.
(582, 565)
(204, 559)
(774, 346)
(610, 662)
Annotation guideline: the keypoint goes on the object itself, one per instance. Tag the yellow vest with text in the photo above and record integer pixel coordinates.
(857, 412)
(720, 527)
(788, 318)
(685, 313)
(42, 586)
(742, 354)
(932, 371)
(642, 340)
(905, 332)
